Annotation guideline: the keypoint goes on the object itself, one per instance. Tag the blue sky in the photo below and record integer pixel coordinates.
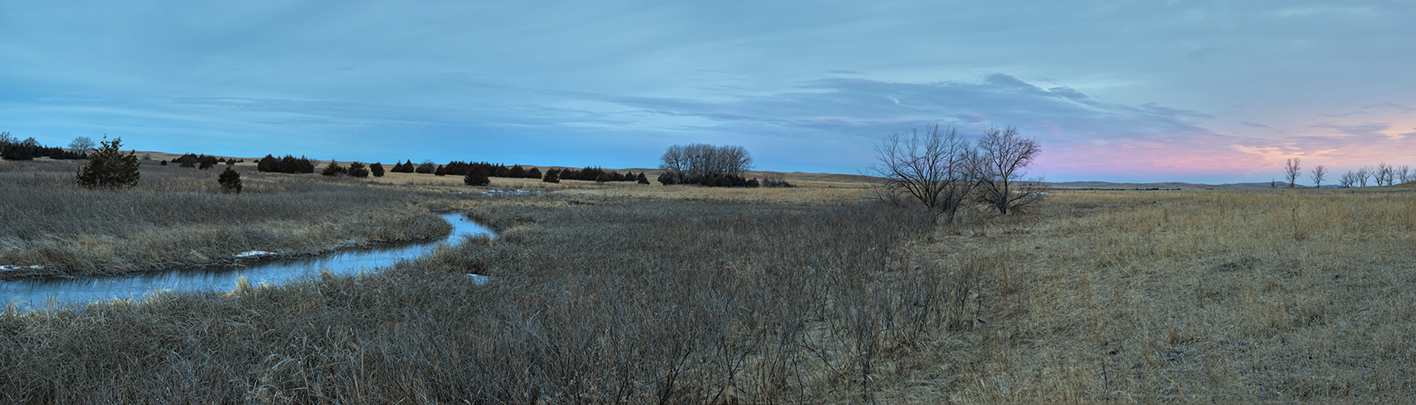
(1201, 91)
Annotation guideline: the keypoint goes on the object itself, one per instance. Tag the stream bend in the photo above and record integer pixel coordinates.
(28, 294)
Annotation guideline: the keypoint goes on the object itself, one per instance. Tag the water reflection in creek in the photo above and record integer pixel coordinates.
(29, 294)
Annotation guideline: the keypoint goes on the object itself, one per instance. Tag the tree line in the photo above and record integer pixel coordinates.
(1381, 175)
(12, 148)
(202, 162)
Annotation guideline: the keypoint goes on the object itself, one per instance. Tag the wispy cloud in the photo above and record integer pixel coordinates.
(1083, 136)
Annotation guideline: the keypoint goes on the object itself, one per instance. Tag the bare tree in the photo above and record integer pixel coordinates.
(935, 167)
(81, 144)
(1385, 174)
(1004, 157)
(1404, 173)
(1292, 170)
(1319, 173)
(1362, 175)
(5, 140)
(1347, 179)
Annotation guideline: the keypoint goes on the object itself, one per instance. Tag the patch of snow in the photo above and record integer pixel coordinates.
(479, 279)
(18, 267)
(254, 254)
(510, 192)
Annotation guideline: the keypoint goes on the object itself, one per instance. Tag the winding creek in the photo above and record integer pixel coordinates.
(38, 293)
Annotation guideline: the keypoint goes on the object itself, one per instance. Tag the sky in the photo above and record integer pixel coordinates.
(1122, 91)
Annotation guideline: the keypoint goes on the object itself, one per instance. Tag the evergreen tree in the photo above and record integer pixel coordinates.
(357, 169)
(108, 167)
(377, 169)
(534, 173)
(477, 177)
(267, 164)
(552, 176)
(643, 179)
(230, 181)
(440, 171)
(333, 169)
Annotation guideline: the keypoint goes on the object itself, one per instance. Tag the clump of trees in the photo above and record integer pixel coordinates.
(403, 167)
(287, 164)
(12, 148)
(705, 165)
(944, 172)
(108, 167)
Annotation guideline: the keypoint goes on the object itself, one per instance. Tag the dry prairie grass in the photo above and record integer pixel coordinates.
(684, 294)
(179, 216)
(1166, 296)
(810, 189)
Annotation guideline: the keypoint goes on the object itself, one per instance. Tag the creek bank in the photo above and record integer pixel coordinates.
(202, 263)
(218, 275)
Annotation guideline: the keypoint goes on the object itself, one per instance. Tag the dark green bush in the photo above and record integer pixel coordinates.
(108, 167)
(477, 177)
(552, 176)
(357, 169)
(377, 169)
(230, 181)
(334, 169)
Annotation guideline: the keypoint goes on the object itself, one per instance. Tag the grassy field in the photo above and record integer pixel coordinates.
(635, 293)
(180, 217)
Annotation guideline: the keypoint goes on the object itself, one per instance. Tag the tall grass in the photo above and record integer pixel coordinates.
(1186, 296)
(638, 302)
(181, 216)
(1176, 296)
